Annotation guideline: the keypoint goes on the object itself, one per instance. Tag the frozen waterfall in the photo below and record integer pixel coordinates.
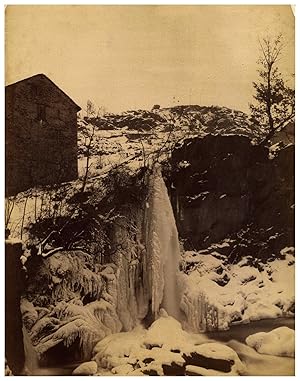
(164, 250)
(31, 358)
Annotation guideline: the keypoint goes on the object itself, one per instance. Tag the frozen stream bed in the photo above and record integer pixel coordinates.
(255, 363)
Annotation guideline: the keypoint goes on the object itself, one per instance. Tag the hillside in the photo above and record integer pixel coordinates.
(139, 134)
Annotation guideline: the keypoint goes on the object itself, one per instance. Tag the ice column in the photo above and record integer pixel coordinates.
(163, 247)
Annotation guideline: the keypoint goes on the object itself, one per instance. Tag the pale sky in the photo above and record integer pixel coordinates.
(130, 57)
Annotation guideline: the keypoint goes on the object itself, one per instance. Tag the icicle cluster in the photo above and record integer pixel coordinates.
(200, 314)
(131, 263)
(71, 278)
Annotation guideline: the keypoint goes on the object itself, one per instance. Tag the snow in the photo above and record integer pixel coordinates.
(166, 332)
(13, 241)
(183, 164)
(201, 195)
(287, 250)
(113, 146)
(225, 243)
(278, 342)
(260, 364)
(121, 344)
(239, 293)
(86, 369)
(122, 370)
(111, 351)
(66, 318)
(200, 371)
(142, 351)
(274, 149)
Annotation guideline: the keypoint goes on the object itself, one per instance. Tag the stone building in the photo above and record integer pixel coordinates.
(40, 134)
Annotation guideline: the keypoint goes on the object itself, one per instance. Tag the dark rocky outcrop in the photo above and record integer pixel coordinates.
(222, 185)
(196, 359)
(174, 369)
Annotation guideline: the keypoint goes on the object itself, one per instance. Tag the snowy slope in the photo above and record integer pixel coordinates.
(139, 133)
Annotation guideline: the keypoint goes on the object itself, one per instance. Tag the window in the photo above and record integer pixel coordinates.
(41, 112)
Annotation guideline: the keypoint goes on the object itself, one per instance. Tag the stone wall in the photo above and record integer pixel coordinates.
(39, 150)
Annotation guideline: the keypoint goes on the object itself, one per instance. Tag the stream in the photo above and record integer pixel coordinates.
(257, 364)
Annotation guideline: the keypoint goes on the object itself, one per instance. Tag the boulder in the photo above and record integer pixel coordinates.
(214, 357)
(86, 369)
(278, 342)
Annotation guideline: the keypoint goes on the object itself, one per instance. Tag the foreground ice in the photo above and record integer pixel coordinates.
(164, 349)
(257, 364)
(85, 369)
(278, 342)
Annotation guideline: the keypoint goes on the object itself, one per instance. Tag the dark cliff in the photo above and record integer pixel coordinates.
(220, 185)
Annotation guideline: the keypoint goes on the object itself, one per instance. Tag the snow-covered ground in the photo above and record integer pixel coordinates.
(140, 133)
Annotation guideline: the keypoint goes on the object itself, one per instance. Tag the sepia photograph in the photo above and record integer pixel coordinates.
(149, 190)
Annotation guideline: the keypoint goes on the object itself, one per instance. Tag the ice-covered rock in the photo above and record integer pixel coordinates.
(88, 368)
(278, 342)
(164, 349)
(215, 357)
(166, 332)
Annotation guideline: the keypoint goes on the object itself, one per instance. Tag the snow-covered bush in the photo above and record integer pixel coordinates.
(81, 302)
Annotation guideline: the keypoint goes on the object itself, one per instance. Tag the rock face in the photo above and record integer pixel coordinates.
(221, 184)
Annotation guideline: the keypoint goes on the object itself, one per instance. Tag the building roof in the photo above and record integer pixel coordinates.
(49, 80)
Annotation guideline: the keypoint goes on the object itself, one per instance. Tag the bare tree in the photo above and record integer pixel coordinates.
(90, 109)
(101, 111)
(9, 207)
(23, 217)
(89, 140)
(274, 106)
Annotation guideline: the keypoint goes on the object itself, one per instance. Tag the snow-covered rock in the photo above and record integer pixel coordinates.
(164, 349)
(278, 342)
(166, 332)
(86, 369)
(216, 358)
(212, 302)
